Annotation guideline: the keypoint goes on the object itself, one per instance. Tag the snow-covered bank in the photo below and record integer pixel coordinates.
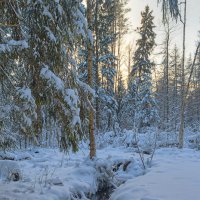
(175, 175)
(47, 174)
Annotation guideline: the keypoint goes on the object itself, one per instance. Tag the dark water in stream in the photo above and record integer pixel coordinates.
(103, 194)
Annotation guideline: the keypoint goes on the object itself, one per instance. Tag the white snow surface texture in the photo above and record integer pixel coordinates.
(51, 175)
(175, 175)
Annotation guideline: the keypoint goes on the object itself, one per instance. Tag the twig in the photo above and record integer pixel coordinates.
(140, 154)
(152, 155)
(7, 76)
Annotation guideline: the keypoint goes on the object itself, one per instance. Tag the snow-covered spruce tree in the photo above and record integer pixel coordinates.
(121, 103)
(174, 80)
(175, 68)
(112, 32)
(167, 84)
(13, 46)
(120, 27)
(165, 64)
(146, 112)
(193, 101)
(130, 103)
(169, 6)
(106, 67)
(54, 27)
(109, 27)
(43, 76)
(103, 63)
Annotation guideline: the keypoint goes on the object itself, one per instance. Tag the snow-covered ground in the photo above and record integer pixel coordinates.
(175, 175)
(48, 174)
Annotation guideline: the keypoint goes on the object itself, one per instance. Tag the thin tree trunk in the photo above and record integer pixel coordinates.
(175, 85)
(182, 114)
(167, 76)
(129, 61)
(118, 60)
(90, 65)
(114, 46)
(192, 69)
(97, 65)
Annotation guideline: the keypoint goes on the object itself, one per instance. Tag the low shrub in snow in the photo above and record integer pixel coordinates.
(10, 170)
(194, 141)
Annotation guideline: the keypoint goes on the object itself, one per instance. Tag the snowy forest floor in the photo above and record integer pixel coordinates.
(48, 174)
(175, 175)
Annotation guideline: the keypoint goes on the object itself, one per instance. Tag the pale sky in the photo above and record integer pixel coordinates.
(193, 22)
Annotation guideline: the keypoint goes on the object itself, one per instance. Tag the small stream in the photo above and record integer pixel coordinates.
(103, 194)
(106, 185)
